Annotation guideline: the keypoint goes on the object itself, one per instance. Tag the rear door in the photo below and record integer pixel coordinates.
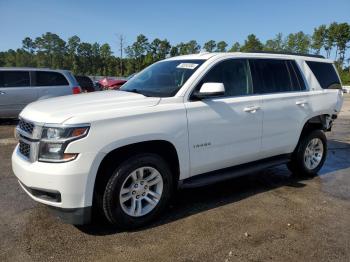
(15, 92)
(51, 84)
(285, 103)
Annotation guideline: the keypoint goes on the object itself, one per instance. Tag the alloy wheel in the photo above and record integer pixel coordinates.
(141, 191)
(313, 153)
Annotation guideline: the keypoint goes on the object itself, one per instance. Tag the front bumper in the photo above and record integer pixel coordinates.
(60, 185)
(75, 216)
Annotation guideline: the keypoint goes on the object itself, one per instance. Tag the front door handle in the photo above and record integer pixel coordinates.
(251, 109)
(301, 103)
(2, 93)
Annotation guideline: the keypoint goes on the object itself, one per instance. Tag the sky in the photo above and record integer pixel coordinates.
(177, 20)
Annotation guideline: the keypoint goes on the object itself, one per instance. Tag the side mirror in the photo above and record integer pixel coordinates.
(210, 90)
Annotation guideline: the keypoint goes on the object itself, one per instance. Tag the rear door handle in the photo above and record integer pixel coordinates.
(2, 93)
(301, 103)
(251, 109)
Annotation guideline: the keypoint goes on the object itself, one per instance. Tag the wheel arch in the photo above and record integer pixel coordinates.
(322, 122)
(319, 122)
(114, 157)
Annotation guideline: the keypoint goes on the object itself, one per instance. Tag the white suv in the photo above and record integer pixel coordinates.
(182, 122)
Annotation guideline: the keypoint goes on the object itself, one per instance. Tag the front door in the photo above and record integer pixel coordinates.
(225, 131)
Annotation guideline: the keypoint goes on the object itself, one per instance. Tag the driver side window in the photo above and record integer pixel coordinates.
(234, 74)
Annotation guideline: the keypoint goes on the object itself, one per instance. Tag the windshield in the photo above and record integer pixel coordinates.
(162, 79)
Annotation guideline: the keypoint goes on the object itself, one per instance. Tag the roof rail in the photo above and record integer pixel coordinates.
(286, 53)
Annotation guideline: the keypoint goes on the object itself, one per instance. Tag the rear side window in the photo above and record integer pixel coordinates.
(297, 80)
(50, 79)
(272, 76)
(234, 74)
(14, 78)
(325, 74)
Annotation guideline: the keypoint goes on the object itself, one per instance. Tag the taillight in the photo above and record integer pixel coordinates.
(76, 90)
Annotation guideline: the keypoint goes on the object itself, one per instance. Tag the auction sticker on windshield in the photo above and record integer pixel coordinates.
(187, 66)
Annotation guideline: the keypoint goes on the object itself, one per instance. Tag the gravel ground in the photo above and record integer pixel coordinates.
(266, 216)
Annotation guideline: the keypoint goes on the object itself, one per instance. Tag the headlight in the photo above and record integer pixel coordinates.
(55, 139)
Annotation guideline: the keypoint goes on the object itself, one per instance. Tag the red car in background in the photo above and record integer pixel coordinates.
(111, 84)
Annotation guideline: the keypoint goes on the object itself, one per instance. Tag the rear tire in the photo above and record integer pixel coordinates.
(310, 154)
(138, 191)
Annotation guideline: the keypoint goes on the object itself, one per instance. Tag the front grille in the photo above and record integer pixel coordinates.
(28, 135)
(24, 149)
(26, 126)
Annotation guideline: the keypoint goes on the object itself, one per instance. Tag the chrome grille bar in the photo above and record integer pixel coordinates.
(28, 134)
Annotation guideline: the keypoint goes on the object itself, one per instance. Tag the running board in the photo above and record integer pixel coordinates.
(232, 172)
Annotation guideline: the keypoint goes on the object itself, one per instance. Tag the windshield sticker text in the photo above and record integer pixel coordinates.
(187, 66)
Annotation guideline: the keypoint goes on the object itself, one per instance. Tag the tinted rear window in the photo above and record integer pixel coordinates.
(271, 76)
(325, 74)
(50, 79)
(14, 78)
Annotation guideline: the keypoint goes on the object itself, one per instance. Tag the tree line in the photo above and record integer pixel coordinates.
(49, 50)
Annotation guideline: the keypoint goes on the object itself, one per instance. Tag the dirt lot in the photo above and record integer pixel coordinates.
(265, 216)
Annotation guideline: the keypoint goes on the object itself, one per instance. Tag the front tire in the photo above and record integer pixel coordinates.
(138, 191)
(310, 154)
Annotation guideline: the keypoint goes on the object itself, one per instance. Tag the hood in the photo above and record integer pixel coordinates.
(85, 106)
